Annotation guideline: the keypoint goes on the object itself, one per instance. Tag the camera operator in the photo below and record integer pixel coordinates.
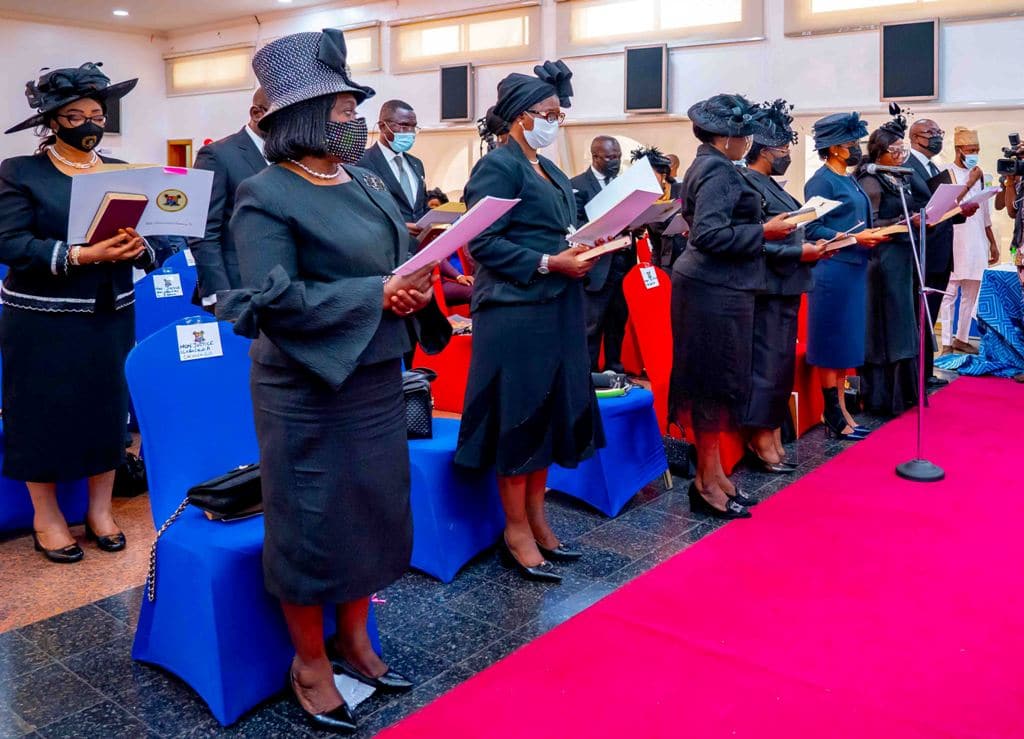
(1011, 169)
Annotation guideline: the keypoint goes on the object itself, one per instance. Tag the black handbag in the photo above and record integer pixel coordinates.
(130, 477)
(236, 494)
(419, 403)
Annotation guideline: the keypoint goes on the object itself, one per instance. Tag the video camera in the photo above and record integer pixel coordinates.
(1012, 163)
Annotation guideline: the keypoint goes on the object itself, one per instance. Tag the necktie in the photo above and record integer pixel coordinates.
(932, 169)
(607, 179)
(403, 179)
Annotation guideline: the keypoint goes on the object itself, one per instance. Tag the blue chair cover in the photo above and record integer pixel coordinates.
(212, 623)
(16, 506)
(179, 263)
(633, 457)
(456, 513)
(153, 313)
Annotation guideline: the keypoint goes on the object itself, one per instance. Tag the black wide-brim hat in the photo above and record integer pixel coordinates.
(727, 115)
(303, 66)
(58, 87)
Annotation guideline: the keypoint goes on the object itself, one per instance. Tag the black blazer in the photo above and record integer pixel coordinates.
(786, 274)
(508, 253)
(726, 245)
(939, 240)
(232, 160)
(375, 161)
(585, 187)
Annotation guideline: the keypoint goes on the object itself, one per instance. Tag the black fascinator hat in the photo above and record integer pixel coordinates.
(776, 125)
(659, 162)
(727, 115)
(898, 125)
(57, 87)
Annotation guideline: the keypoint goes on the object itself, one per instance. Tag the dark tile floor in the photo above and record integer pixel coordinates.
(72, 675)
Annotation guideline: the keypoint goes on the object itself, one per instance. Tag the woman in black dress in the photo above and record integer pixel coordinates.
(68, 321)
(317, 243)
(889, 374)
(530, 400)
(714, 282)
(777, 308)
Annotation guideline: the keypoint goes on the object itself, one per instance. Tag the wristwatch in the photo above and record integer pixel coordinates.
(543, 268)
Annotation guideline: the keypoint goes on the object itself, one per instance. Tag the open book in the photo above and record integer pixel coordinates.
(815, 208)
(622, 202)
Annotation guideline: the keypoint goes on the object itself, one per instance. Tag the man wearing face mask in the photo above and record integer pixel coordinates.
(777, 307)
(390, 159)
(974, 247)
(926, 141)
(604, 304)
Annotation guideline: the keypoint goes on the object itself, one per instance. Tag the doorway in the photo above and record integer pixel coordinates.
(179, 152)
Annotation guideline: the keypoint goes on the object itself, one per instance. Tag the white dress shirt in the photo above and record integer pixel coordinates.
(256, 139)
(393, 157)
(600, 178)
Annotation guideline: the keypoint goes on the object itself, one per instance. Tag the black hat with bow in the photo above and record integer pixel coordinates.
(304, 66)
(518, 92)
(55, 88)
(727, 115)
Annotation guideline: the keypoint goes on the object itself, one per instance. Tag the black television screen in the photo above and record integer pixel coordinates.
(113, 116)
(910, 60)
(646, 79)
(456, 93)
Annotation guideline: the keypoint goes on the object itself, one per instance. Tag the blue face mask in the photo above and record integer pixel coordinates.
(970, 161)
(402, 142)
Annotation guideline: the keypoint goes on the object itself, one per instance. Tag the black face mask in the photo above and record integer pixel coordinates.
(612, 167)
(934, 145)
(84, 138)
(781, 164)
(854, 156)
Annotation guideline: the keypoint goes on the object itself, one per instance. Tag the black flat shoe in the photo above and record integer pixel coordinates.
(338, 720)
(113, 543)
(744, 500)
(699, 505)
(561, 553)
(760, 463)
(389, 682)
(65, 555)
(544, 572)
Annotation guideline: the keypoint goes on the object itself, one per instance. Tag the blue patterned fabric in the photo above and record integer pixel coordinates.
(1001, 323)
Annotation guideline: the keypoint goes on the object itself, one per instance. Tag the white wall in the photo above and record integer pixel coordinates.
(26, 47)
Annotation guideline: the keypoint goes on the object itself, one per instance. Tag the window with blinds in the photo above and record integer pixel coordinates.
(805, 17)
(219, 70)
(594, 26)
(509, 34)
(363, 44)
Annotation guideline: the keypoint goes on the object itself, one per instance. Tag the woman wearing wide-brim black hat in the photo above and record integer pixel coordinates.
(318, 240)
(714, 283)
(68, 321)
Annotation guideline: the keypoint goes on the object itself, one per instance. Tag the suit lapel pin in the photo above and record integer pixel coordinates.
(374, 182)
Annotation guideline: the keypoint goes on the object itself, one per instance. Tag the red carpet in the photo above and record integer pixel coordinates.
(854, 604)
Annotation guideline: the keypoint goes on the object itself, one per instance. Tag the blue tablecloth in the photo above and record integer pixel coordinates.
(634, 455)
(1001, 324)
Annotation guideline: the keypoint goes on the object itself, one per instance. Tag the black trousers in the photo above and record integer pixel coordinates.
(606, 315)
(939, 281)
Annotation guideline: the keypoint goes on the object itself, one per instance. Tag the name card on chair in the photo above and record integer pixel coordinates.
(168, 285)
(199, 341)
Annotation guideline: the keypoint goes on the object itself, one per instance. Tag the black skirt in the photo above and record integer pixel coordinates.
(65, 398)
(773, 362)
(335, 474)
(530, 399)
(712, 338)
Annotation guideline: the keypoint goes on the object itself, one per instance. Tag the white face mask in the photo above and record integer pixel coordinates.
(543, 133)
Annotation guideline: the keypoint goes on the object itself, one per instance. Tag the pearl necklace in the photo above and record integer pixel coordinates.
(314, 173)
(67, 162)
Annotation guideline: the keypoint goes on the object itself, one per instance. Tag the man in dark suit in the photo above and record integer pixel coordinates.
(232, 159)
(390, 159)
(606, 311)
(926, 139)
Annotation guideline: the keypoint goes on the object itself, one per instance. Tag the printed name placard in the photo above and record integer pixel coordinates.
(199, 341)
(650, 276)
(168, 285)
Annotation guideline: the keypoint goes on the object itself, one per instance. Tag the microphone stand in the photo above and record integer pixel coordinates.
(920, 469)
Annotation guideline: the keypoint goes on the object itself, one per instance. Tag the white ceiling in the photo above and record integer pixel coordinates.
(149, 15)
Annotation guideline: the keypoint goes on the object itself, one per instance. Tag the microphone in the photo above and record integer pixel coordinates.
(882, 169)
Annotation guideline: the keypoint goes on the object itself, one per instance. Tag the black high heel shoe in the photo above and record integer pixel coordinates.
(65, 555)
(561, 553)
(775, 468)
(834, 420)
(389, 682)
(744, 500)
(113, 543)
(544, 572)
(698, 504)
(338, 720)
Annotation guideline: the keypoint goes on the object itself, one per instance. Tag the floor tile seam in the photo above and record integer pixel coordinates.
(38, 729)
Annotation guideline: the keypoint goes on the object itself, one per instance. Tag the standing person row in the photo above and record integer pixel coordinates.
(330, 324)
(714, 284)
(68, 319)
(530, 400)
(837, 307)
(777, 307)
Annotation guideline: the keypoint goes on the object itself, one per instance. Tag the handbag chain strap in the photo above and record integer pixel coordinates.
(151, 576)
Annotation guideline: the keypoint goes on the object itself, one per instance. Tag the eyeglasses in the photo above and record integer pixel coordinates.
(549, 117)
(402, 127)
(77, 120)
(932, 132)
(898, 151)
